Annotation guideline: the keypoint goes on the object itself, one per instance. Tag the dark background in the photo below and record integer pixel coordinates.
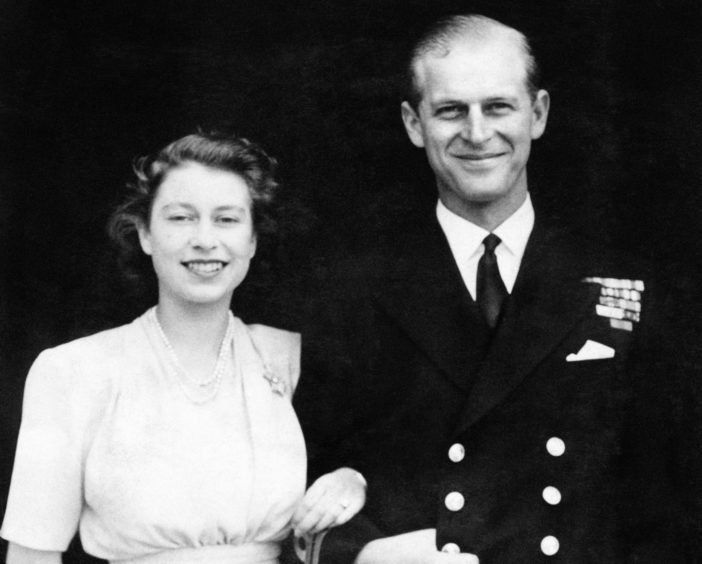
(85, 88)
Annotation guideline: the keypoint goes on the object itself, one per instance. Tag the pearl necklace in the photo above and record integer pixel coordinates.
(185, 381)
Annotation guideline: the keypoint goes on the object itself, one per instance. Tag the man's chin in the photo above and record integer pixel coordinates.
(483, 196)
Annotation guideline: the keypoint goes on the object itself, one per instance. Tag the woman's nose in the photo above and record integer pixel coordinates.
(204, 236)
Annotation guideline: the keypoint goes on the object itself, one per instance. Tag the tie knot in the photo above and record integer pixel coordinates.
(491, 242)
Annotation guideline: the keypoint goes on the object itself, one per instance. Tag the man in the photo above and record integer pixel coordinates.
(490, 377)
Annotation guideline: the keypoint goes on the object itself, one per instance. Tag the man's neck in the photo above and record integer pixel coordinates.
(488, 215)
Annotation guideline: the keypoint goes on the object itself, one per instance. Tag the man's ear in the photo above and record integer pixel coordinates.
(144, 238)
(539, 108)
(413, 125)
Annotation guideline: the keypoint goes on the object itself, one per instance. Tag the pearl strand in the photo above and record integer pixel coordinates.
(183, 378)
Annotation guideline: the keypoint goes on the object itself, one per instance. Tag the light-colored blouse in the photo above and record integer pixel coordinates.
(110, 443)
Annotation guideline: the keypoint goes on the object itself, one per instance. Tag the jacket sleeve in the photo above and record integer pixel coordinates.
(333, 406)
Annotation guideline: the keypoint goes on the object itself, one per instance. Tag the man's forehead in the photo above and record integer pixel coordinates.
(490, 64)
(497, 44)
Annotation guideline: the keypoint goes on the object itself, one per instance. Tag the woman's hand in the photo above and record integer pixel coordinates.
(332, 500)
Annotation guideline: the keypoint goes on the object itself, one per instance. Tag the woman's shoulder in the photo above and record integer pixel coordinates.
(273, 334)
(274, 342)
(94, 356)
(279, 350)
(112, 342)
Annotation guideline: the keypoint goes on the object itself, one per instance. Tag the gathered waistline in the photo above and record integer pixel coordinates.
(251, 553)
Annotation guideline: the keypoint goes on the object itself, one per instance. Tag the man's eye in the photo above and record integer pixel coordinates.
(498, 108)
(449, 112)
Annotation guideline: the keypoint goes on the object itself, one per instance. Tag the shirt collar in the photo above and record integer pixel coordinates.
(514, 231)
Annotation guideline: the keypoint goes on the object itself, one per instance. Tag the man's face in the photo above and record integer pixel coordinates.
(476, 121)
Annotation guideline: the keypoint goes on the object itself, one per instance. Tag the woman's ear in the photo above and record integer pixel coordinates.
(254, 245)
(144, 237)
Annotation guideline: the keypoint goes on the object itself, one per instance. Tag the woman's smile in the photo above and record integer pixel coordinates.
(206, 268)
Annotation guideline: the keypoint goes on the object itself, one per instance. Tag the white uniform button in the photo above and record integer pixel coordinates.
(457, 452)
(551, 495)
(555, 446)
(550, 545)
(454, 501)
(451, 548)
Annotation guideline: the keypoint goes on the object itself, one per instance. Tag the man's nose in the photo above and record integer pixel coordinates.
(476, 129)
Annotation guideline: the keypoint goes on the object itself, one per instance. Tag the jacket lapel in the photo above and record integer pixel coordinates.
(426, 296)
(548, 300)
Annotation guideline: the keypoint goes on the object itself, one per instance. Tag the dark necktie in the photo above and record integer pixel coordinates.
(491, 289)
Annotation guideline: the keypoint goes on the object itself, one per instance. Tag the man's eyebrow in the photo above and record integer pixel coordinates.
(504, 98)
(448, 102)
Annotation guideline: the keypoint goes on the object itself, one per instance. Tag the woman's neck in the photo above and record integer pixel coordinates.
(195, 331)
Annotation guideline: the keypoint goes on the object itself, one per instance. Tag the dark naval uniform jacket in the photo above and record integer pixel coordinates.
(547, 440)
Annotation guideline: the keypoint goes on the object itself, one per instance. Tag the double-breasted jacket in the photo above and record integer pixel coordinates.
(548, 439)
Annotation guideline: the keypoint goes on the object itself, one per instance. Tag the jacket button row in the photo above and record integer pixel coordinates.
(555, 446)
(549, 546)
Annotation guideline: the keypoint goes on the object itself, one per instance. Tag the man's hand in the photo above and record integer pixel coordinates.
(332, 500)
(417, 547)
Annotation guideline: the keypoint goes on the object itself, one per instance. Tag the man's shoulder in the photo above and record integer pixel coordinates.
(625, 278)
(392, 249)
(587, 254)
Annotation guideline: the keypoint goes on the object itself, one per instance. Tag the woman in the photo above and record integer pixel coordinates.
(172, 439)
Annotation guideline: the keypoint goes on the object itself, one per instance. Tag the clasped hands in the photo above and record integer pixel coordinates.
(334, 498)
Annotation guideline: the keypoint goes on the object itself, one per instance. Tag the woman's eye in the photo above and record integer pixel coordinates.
(179, 218)
(228, 219)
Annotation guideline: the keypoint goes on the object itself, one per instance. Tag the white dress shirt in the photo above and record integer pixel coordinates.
(466, 242)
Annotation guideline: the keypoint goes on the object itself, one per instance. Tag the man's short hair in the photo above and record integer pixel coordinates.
(439, 37)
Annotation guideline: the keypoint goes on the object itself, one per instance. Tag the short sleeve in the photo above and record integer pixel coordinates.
(45, 498)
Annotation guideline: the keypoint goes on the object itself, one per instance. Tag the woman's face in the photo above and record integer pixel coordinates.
(200, 235)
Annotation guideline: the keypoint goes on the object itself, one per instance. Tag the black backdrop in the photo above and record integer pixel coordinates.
(86, 87)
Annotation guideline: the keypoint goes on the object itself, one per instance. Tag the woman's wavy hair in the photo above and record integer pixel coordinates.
(214, 150)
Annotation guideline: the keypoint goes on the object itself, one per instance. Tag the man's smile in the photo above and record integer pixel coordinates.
(478, 157)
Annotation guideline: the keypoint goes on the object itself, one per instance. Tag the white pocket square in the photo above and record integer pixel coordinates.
(591, 350)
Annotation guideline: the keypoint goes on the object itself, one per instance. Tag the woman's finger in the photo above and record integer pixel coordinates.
(325, 514)
(317, 516)
(310, 500)
(338, 511)
(349, 510)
